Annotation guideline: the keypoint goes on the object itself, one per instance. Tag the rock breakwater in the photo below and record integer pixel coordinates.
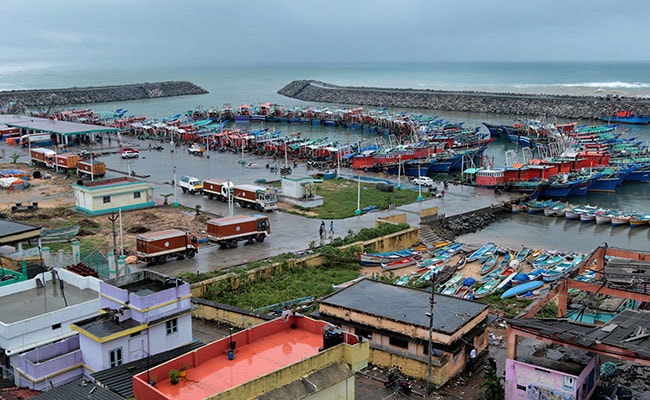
(530, 105)
(98, 94)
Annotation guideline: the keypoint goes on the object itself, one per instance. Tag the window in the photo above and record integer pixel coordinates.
(115, 356)
(56, 326)
(106, 199)
(171, 326)
(399, 343)
(136, 195)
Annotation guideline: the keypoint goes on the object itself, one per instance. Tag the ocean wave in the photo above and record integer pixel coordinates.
(603, 85)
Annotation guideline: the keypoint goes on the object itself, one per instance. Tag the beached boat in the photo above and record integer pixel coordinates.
(562, 268)
(384, 258)
(401, 263)
(480, 252)
(488, 265)
(487, 288)
(451, 286)
(521, 289)
(59, 234)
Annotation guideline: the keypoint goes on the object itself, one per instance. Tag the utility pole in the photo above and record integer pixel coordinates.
(431, 303)
(113, 218)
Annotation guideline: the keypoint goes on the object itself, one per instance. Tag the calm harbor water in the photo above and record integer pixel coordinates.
(255, 84)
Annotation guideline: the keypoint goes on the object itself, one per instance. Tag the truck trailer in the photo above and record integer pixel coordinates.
(67, 161)
(258, 197)
(227, 231)
(217, 189)
(43, 157)
(91, 168)
(36, 140)
(156, 247)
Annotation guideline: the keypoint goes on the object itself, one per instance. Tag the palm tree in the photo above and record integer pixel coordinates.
(14, 158)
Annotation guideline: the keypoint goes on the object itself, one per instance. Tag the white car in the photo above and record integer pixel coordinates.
(423, 181)
(129, 154)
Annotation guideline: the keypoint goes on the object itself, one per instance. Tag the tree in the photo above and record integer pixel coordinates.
(14, 158)
(166, 196)
(494, 389)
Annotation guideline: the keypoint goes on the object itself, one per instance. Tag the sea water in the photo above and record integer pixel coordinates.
(259, 83)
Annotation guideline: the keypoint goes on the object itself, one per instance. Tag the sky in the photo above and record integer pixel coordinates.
(217, 32)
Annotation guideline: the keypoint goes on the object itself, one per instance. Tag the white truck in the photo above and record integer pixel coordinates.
(190, 184)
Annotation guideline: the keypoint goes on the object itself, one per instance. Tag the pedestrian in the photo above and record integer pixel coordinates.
(331, 227)
(442, 193)
(472, 360)
(321, 230)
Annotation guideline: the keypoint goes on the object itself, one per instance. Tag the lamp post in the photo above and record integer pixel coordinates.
(358, 210)
(430, 315)
(419, 184)
(399, 170)
(174, 184)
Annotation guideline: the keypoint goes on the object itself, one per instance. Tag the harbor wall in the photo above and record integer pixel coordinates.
(537, 106)
(98, 94)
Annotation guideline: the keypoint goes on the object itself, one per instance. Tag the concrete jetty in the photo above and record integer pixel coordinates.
(569, 107)
(98, 94)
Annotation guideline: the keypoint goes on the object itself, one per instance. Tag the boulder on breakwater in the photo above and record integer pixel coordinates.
(99, 94)
(569, 107)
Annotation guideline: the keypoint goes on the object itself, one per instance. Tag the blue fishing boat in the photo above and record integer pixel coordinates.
(626, 117)
(480, 251)
(562, 268)
(522, 288)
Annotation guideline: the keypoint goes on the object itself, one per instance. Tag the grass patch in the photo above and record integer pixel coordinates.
(508, 307)
(340, 197)
(290, 284)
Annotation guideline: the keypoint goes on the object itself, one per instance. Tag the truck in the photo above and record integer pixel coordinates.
(36, 139)
(154, 248)
(91, 168)
(258, 197)
(190, 184)
(217, 188)
(67, 161)
(43, 157)
(227, 231)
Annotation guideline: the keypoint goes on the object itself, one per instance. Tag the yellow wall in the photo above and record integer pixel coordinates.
(230, 317)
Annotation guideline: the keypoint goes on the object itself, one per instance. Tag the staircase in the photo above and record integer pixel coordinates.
(428, 236)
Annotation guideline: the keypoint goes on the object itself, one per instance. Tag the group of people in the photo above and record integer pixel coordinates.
(322, 231)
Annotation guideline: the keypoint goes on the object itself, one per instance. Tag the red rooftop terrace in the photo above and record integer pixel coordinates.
(266, 357)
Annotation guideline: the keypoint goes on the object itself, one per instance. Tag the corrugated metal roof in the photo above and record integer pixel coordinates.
(49, 125)
(79, 389)
(119, 380)
(406, 305)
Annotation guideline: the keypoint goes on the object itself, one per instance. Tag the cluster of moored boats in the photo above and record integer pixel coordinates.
(501, 271)
(583, 213)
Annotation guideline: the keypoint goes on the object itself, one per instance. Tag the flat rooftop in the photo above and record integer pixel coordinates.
(37, 301)
(263, 356)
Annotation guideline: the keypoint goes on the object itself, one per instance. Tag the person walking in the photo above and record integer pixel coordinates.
(331, 227)
(321, 230)
(472, 360)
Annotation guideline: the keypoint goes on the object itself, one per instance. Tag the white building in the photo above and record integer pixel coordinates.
(110, 195)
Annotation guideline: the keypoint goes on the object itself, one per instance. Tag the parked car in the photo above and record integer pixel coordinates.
(129, 152)
(423, 181)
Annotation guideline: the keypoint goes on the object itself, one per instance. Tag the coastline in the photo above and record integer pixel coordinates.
(99, 94)
(558, 106)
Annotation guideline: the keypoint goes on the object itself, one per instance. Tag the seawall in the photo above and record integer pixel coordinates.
(529, 105)
(98, 94)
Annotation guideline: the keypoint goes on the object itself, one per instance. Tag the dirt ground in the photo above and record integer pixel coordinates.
(54, 197)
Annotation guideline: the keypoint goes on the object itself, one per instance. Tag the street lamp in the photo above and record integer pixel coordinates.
(358, 210)
(419, 184)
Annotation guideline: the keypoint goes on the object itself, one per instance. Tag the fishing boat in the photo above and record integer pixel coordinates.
(522, 288)
(401, 263)
(451, 286)
(626, 117)
(518, 208)
(487, 288)
(384, 258)
(59, 234)
(562, 268)
(480, 252)
(639, 220)
(488, 265)
(404, 280)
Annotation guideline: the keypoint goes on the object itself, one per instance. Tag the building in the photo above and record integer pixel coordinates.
(111, 195)
(146, 313)
(130, 318)
(395, 320)
(620, 274)
(287, 358)
(300, 190)
(36, 314)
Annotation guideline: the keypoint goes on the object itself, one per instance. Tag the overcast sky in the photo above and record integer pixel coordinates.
(209, 32)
